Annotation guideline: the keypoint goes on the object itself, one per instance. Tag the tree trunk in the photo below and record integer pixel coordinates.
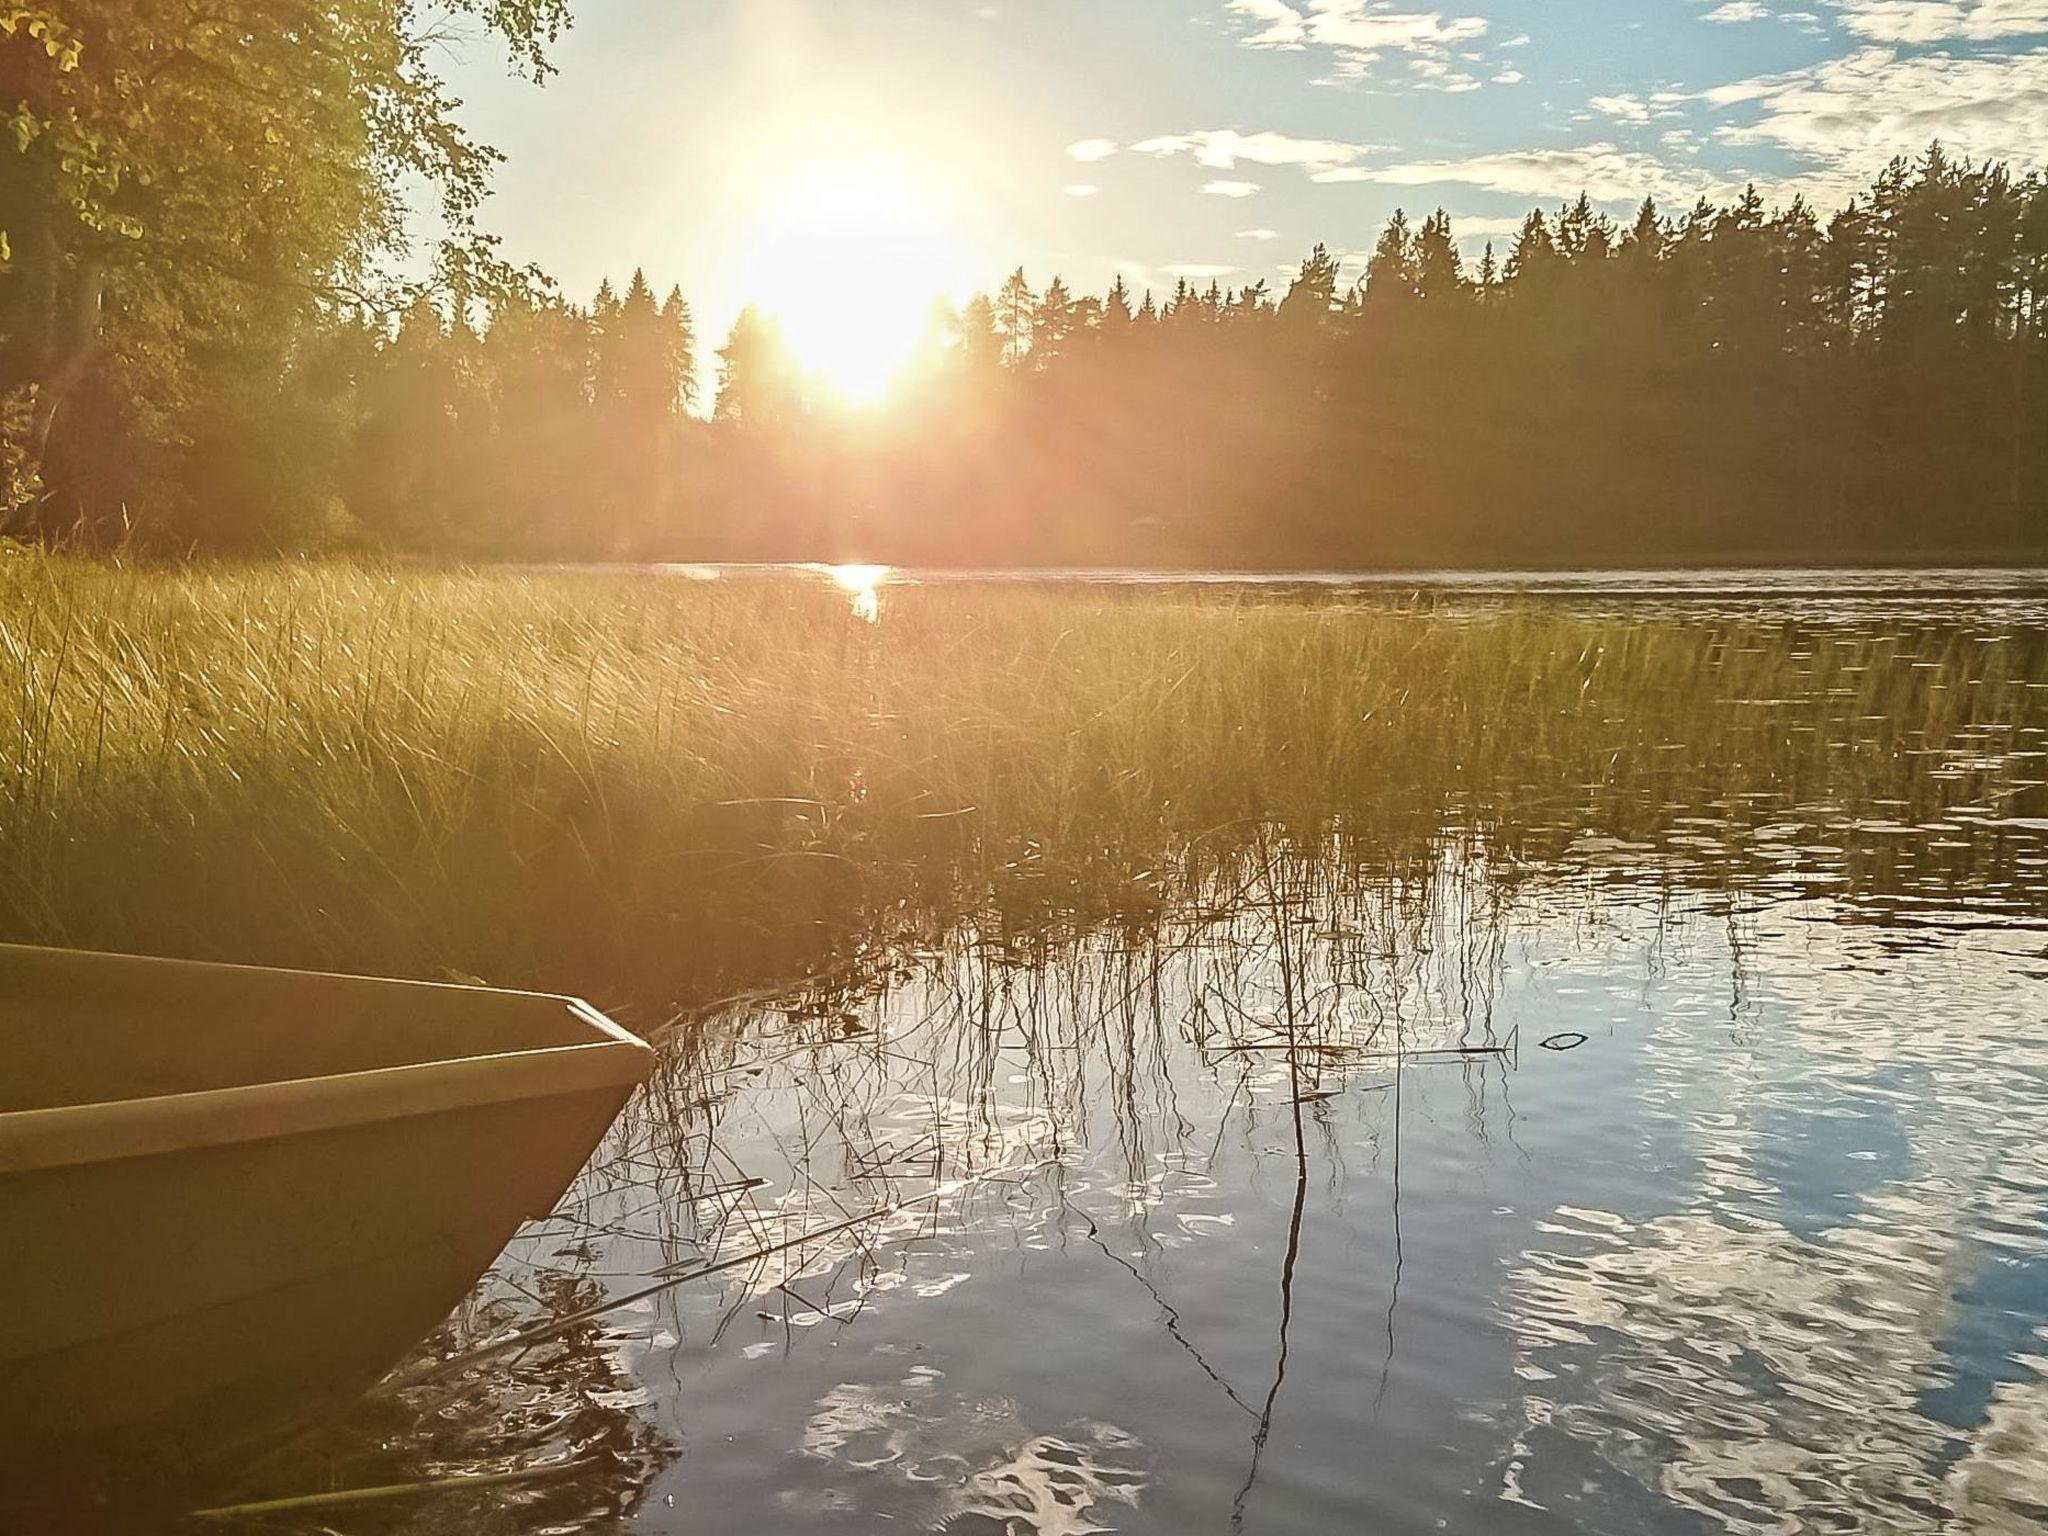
(72, 344)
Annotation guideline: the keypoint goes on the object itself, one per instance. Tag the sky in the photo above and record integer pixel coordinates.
(858, 157)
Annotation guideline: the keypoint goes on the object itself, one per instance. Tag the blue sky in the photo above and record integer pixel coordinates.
(954, 138)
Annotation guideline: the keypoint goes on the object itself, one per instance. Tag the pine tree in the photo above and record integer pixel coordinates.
(1052, 322)
(1016, 308)
(1313, 294)
(1643, 245)
(681, 327)
(1390, 271)
(1438, 273)
(1582, 234)
(981, 344)
(1533, 257)
(1116, 309)
(757, 383)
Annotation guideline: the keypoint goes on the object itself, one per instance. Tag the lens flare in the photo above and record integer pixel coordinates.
(863, 585)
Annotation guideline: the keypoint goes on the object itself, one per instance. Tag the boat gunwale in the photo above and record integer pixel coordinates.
(113, 1130)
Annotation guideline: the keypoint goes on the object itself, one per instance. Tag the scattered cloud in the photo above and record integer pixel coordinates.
(1280, 25)
(1356, 32)
(1081, 189)
(1735, 12)
(1221, 149)
(1627, 109)
(1852, 114)
(1258, 234)
(1933, 21)
(1230, 188)
(1372, 26)
(1603, 172)
(1509, 77)
(1088, 151)
(1433, 74)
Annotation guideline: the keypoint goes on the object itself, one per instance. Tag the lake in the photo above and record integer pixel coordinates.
(1629, 1120)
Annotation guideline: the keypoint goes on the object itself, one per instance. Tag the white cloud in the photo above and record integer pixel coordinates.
(1734, 12)
(1627, 109)
(1932, 21)
(1230, 188)
(1220, 149)
(1356, 31)
(1081, 189)
(1854, 113)
(1089, 150)
(1482, 230)
(1370, 26)
(1433, 74)
(1282, 25)
(1603, 172)
(1509, 77)
(1258, 234)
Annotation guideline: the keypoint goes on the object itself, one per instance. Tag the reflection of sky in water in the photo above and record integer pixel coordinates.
(1762, 1254)
(1763, 1350)
(1279, 1218)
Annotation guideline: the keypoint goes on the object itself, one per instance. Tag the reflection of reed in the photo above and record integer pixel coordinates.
(1283, 914)
(788, 1156)
(786, 1153)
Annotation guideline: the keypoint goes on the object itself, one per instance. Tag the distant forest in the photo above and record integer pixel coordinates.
(1735, 383)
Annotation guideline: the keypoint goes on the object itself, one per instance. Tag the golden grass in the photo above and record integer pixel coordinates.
(653, 790)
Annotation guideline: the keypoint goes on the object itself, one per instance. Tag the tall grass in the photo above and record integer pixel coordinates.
(655, 790)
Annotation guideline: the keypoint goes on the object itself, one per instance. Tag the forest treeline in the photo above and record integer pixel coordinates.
(197, 352)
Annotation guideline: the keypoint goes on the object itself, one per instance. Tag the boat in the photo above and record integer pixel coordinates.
(231, 1198)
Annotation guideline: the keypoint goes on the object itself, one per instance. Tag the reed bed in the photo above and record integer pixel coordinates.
(658, 791)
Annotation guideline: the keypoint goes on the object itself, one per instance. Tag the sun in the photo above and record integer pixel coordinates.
(850, 253)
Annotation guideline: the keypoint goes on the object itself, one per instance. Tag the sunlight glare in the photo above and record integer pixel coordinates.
(863, 584)
(850, 254)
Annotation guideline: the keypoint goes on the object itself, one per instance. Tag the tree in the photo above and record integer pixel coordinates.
(1643, 246)
(1391, 270)
(757, 379)
(981, 343)
(1438, 273)
(1533, 258)
(540, 357)
(642, 361)
(179, 172)
(1489, 272)
(1052, 322)
(1016, 311)
(1582, 234)
(1116, 308)
(679, 327)
(1313, 294)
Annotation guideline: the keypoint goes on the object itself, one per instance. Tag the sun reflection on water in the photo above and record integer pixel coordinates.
(862, 583)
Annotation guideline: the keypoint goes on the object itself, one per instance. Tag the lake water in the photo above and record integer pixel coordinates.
(1658, 1150)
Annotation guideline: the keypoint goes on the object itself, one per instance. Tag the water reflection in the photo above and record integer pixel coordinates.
(1251, 1200)
(863, 585)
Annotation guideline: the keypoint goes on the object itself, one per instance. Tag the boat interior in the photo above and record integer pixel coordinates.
(81, 1028)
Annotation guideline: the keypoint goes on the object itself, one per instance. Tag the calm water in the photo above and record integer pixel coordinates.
(1667, 1153)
